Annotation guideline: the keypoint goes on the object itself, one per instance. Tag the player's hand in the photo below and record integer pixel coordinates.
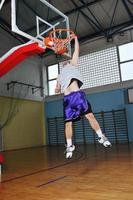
(57, 90)
(76, 38)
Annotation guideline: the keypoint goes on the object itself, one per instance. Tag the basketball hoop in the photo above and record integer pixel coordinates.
(59, 40)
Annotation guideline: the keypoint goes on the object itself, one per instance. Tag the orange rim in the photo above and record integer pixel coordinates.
(60, 44)
(71, 34)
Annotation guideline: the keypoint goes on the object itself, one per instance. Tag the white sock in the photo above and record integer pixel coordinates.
(69, 142)
(99, 133)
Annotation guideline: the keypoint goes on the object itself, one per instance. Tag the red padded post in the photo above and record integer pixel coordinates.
(1, 159)
(18, 56)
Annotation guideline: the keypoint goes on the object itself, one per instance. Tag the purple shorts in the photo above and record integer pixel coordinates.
(75, 105)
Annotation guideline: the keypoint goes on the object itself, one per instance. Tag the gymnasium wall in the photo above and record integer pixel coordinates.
(100, 101)
(26, 127)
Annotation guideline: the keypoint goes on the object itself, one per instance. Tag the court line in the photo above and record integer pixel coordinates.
(52, 181)
(48, 169)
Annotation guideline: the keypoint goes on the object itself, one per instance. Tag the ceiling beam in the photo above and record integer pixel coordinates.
(94, 17)
(127, 9)
(69, 12)
(82, 7)
(115, 29)
(76, 24)
(112, 19)
(87, 18)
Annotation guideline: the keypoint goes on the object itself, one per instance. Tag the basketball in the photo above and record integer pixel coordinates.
(48, 42)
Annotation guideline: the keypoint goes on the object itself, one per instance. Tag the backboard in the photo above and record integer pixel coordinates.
(35, 19)
(1, 3)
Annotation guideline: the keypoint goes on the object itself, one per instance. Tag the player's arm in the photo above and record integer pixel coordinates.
(75, 56)
(58, 86)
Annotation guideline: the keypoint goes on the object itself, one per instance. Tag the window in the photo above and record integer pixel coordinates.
(126, 61)
(126, 52)
(51, 86)
(53, 71)
(127, 71)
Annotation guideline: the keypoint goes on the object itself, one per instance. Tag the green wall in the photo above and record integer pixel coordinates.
(26, 128)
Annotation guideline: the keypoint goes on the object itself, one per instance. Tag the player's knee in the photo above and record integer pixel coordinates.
(68, 124)
(89, 116)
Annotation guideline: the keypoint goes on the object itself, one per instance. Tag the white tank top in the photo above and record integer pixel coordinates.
(68, 73)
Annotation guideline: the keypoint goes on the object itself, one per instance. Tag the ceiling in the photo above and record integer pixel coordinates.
(88, 18)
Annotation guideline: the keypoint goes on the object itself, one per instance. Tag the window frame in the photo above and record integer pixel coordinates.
(122, 62)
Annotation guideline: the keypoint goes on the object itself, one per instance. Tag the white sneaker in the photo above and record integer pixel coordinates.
(104, 141)
(69, 151)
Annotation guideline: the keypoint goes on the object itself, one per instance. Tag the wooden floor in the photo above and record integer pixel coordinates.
(92, 174)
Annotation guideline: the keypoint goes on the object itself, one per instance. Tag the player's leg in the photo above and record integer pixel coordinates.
(69, 115)
(68, 134)
(102, 139)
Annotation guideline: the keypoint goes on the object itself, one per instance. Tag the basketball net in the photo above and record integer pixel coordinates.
(59, 40)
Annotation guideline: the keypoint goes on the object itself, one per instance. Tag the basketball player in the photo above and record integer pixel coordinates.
(75, 103)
